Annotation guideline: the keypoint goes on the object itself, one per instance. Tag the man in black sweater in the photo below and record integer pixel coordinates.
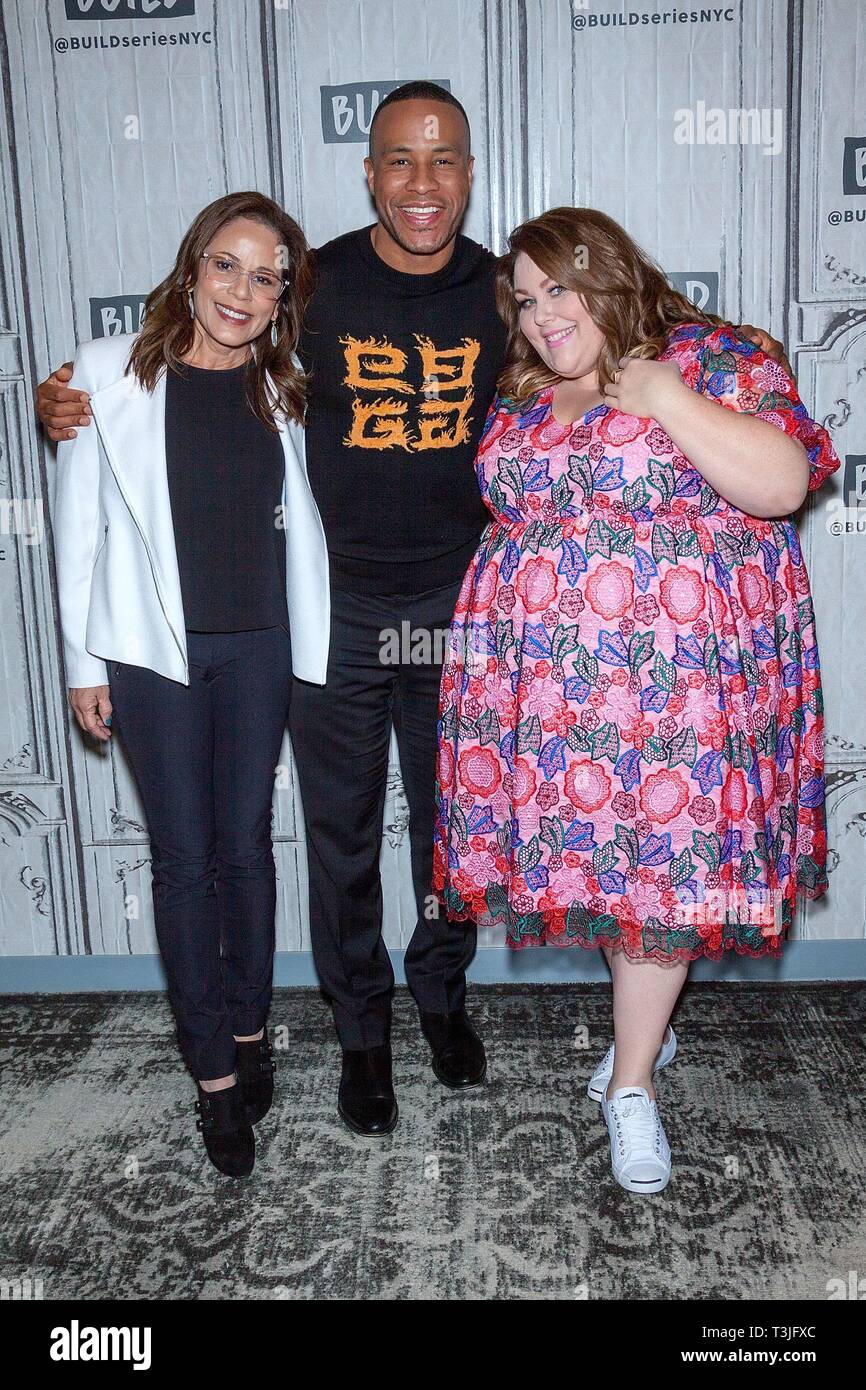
(404, 345)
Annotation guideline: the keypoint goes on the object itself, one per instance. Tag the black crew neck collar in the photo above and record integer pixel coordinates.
(405, 280)
(215, 371)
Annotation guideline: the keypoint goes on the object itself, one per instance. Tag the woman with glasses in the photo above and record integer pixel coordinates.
(193, 580)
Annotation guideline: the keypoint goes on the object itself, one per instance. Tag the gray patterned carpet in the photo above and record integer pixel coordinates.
(501, 1193)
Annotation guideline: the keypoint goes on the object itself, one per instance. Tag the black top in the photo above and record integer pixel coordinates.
(225, 481)
(392, 467)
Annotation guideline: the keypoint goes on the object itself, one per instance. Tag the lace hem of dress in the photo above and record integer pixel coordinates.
(651, 940)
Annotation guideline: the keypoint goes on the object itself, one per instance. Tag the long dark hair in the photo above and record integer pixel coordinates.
(625, 293)
(167, 332)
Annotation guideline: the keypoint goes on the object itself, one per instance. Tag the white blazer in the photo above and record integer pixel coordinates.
(117, 572)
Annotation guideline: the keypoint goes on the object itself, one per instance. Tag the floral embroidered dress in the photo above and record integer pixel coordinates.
(631, 720)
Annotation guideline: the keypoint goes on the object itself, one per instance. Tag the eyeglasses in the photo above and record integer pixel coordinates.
(224, 270)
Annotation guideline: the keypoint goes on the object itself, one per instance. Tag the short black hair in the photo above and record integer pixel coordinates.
(417, 91)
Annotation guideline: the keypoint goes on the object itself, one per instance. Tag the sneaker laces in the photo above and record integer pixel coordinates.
(643, 1129)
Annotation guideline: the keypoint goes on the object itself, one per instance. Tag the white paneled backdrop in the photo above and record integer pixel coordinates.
(122, 118)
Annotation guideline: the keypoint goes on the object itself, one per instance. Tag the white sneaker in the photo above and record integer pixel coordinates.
(600, 1079)
(639, 1150)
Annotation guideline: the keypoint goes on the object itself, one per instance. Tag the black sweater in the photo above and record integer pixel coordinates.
(390, 464)
(225, 478)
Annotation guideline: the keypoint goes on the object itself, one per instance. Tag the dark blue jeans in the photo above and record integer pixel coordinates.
(204, 757)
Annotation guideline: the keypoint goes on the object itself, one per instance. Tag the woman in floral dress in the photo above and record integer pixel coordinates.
(631, 724)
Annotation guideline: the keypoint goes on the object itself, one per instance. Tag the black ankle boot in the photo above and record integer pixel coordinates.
(458, 1052)
(226, 1131)
(255, 1068)
(366, 1101)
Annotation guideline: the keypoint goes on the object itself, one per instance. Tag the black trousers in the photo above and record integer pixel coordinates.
(340, 737)
(204, 757)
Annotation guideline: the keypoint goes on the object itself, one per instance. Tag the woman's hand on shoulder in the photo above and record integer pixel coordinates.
(644, 387)
(91, 705)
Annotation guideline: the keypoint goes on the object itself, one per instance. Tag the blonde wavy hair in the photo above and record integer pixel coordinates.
(624, 291)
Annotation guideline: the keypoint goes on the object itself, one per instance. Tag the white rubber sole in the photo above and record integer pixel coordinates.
(642, 1186)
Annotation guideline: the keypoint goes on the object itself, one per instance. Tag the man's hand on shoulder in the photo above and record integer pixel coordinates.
(59, 408)
(771, 346)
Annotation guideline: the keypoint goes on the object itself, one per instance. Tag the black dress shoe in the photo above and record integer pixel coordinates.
(226, 1131)
(366, 1101)
(255, 1068)
(458, 1052)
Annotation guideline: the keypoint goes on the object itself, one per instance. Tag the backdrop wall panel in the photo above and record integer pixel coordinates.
(123, 117)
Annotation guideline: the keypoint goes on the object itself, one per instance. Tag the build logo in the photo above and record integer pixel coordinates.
(347, 111)
(129, 9)
(701, 287)
(854, 480)
(854, 165)
(121, 313)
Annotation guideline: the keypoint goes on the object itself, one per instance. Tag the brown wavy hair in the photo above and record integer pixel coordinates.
(167, 331)
(625, 293)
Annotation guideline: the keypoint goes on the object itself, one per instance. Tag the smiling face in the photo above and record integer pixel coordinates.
(556, 322)
(230, 317)
(420, 173)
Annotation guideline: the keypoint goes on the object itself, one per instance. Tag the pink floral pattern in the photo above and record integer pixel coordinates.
(631, 717)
